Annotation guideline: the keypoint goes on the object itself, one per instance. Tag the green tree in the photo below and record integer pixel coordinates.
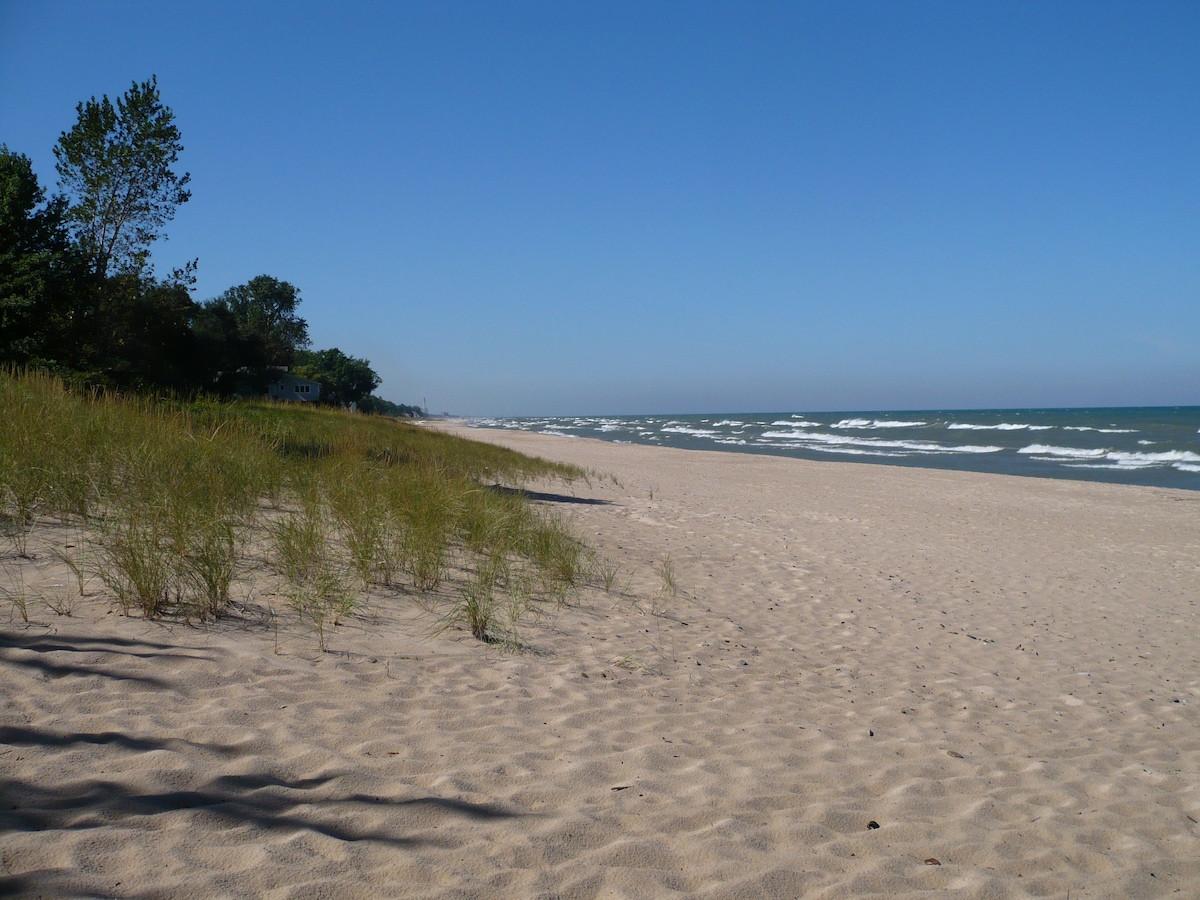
(147, 341)
(344, 379)
(38, 270)
(380, 407)
(257, 323)
(115, 166)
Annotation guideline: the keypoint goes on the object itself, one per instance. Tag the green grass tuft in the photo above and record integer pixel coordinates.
(164, 497)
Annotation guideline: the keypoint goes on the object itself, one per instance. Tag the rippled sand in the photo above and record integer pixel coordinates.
(999, 673)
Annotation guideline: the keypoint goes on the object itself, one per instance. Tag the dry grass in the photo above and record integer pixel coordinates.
(164, 495)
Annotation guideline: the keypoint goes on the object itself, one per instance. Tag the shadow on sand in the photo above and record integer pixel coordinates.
(261, 800)
(548, 498)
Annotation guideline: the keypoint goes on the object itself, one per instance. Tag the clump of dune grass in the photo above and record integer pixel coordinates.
(162, 496)
(478, 606)
(608, 575)
(496, 602)
(300, 539)
(29, 455)
(61, 602)
(557, 556)
(631, 661)
(168, 513)
(323, 600)
(318, 584)
(137, 564)
(73, 553)
(210, 564)
(358, 499)
(668, 591)
(427, 506)
(14, 591)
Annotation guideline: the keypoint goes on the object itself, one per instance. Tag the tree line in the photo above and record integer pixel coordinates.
(80, 297)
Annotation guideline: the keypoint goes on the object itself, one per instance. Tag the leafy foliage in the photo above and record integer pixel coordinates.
(380, 407)
(79, 297)
(344, 379)
(116, 167)
(38, 267)
(258, 321)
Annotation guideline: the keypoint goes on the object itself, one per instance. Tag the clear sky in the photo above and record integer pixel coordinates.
(520, 208)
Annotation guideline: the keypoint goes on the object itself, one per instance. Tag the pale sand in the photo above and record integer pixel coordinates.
(1001, 672)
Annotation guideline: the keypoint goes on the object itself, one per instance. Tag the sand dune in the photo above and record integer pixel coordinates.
(871, 681)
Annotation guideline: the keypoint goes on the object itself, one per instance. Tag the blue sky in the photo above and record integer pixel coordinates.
(589, 208)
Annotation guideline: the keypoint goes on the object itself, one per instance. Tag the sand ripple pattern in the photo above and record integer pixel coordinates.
(1000, 674)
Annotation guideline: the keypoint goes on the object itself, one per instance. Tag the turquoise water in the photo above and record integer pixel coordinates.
(1157, 446)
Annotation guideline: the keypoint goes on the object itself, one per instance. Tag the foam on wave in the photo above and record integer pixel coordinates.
(821, 441)
(684, 429)
(1002, 426)
(1113, 459)
(875, 423)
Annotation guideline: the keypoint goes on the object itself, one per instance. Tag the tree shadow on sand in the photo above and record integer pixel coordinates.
(547, 497)
(15, 736)
(264, 800)
(259, 799)
(56, 668)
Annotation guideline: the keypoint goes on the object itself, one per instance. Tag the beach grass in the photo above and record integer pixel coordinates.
(169, 497)
(668, 590)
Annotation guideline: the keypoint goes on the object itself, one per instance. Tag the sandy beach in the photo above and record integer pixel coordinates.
(868, 681)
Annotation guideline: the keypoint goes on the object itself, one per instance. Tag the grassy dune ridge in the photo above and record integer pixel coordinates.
(160, 499)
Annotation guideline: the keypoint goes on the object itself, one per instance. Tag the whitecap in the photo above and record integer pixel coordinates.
(831, 448)
(1138, 459)
(1113, 459)
(819, 441)
(1003, 426)
(875, 423)
(858, 451)
(787, 435)
(1068, 452)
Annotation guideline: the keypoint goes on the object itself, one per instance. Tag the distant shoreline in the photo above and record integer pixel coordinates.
(1147, 446)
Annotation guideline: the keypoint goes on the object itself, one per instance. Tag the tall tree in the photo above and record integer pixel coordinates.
(263, 312)
(146, 340)
(344, 379)
(38, 270)
(116, 166)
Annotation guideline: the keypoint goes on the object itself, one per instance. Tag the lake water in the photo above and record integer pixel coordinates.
(1157, 446)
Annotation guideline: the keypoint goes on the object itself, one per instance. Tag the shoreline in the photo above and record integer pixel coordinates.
(1135, 446)
(460, 428)
(997, 670)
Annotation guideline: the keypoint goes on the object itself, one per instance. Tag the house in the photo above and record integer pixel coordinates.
(275, 382)
(286, 386)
